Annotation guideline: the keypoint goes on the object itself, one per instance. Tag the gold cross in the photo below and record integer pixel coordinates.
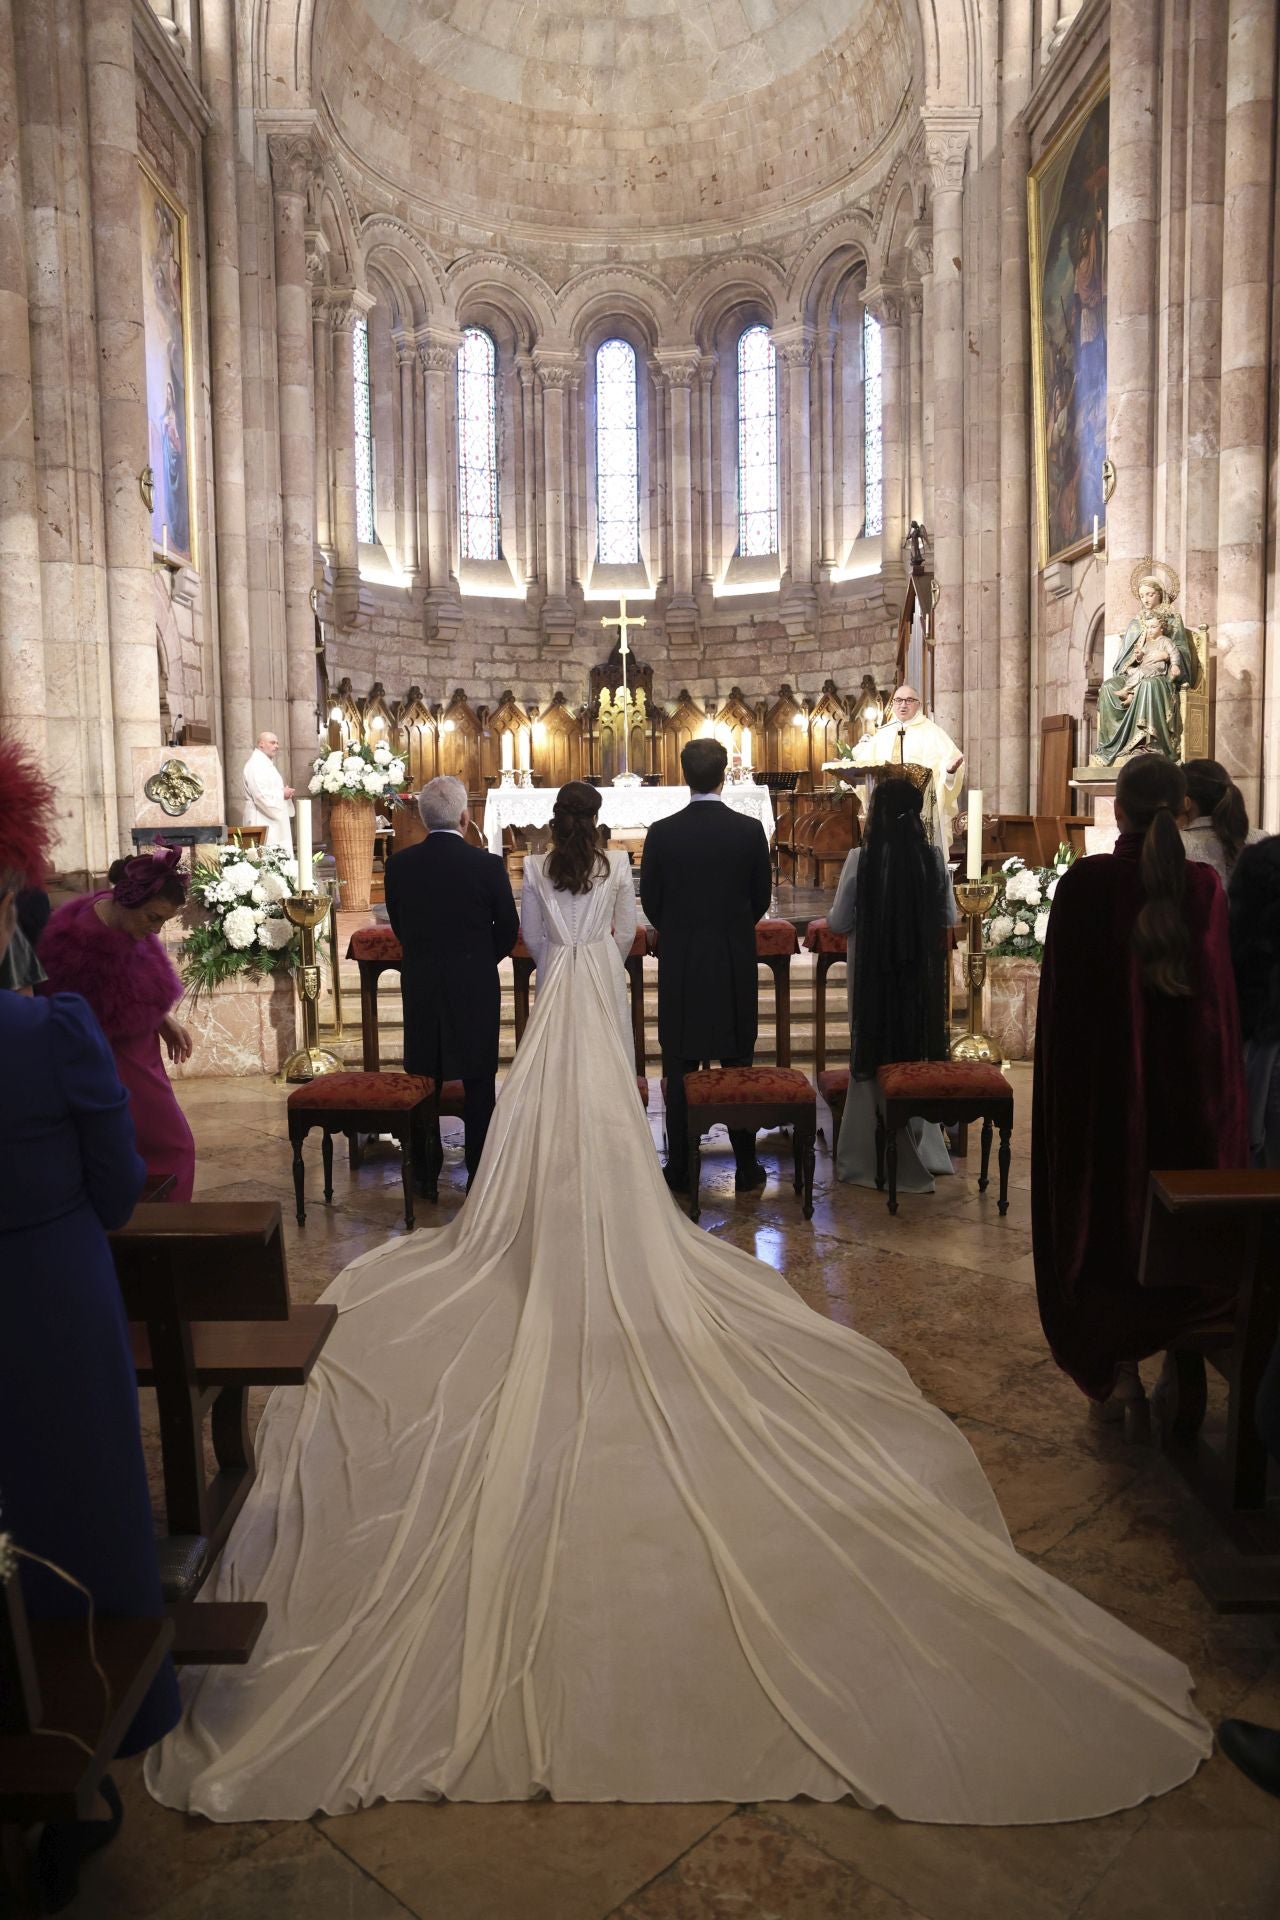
(624, 626)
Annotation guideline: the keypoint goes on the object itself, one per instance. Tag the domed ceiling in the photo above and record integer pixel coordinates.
(627, 114)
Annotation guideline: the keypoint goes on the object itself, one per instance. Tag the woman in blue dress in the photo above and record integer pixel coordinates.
(73, 1485)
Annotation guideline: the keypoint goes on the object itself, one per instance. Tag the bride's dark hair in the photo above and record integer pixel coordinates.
(899, 961)
(575, 859)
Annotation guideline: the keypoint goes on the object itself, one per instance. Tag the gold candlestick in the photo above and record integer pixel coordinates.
(308, 912)
(975, 898)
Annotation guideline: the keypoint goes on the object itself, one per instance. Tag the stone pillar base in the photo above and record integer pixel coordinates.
(681, 612)
(442, 614)
(558, 617)
(346, 595)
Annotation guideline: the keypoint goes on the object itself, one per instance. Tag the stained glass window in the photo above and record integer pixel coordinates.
(478, 446)
(757, 443)
(872, 440)
(617, 455)
(365, 530)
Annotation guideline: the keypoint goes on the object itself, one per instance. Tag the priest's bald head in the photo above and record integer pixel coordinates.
(268, 743)
(906, 703)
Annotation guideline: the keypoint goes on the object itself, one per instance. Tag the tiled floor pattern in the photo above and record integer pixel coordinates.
(948, 1287)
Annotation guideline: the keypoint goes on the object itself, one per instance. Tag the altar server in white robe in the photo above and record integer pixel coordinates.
(909, 735)
(267, 801)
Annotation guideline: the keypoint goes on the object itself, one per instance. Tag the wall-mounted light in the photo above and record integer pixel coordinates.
(797, 720)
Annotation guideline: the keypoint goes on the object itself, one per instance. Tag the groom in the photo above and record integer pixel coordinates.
(451, 909)
(704, 882)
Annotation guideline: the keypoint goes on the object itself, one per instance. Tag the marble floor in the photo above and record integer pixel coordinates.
(947, 1286)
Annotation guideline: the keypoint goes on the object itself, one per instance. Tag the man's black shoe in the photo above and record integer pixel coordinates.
(1255, 1750)
(748, 1179)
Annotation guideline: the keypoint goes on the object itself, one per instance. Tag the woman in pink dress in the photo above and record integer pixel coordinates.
(105, 946)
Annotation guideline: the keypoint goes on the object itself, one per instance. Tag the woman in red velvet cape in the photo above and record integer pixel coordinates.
(1128, 1079)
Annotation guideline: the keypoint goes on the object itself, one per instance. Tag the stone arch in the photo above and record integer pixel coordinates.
(406, 267)
(847, 238)
(517, 290)
(951, 50)
(735, 280)
(603, 291)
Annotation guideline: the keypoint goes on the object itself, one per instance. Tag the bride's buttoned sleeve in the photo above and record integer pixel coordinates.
(624, 908)
(533, 926)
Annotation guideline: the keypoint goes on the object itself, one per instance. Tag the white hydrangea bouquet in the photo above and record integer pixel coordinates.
(245, 930)
(359, 773)
(1018, 923)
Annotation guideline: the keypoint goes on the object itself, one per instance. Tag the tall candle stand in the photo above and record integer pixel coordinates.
(975, 898)
(308, 913)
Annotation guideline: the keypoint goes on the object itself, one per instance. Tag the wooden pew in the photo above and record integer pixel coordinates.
(207, 1293)
(1224, 1226)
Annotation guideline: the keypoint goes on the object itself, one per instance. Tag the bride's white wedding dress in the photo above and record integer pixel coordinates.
(581, 1500)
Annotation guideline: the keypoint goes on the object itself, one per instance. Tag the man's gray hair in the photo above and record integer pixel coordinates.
(442, 802)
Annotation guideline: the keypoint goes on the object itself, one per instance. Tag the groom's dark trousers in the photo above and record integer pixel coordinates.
(704, 882)
(451, 908)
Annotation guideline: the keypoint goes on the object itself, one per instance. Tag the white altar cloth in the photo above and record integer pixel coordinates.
(620, 807)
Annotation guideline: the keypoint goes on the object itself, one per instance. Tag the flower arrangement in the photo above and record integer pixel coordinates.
(359, 773)
(246, 931)
(1018, 923)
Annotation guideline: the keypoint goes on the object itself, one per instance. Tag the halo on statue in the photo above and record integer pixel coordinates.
(1158, 570)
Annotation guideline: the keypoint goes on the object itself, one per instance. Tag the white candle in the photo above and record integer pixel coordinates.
(524, 748)
(746, 746)
(507, 760)
(306, 882)
(973, 863)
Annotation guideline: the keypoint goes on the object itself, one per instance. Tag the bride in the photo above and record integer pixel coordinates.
(582, 1501)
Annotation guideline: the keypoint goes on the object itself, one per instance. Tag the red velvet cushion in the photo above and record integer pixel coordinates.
(776, 936)
(338, 1092)
(452, 1099)
(819, 938)
(642, 1088)
(749, 1087)
(943, 1080)
(833, 1084)
(374, 943)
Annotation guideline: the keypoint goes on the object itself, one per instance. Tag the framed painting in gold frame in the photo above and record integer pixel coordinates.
(166, 312)
(1067, 230)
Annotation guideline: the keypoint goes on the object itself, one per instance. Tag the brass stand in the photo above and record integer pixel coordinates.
(975, 898)
(308, 911)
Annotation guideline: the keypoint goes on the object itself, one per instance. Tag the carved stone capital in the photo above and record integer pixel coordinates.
(438, 350)
(884, 304)
(346, 306)
(406, 350)
(707, 367)
(295, 161)
(793, 345)
(922, 259)
(557, 371)
(946, 149)
(676, 368)
(317, 257)
(524, 370)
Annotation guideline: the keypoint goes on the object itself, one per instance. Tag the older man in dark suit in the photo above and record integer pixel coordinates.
(704, 882)
(451, 908)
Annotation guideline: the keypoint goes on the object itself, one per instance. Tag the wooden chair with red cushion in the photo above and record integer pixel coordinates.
(355, 1103)
(375, 951)
(831, 950)
(753, 1098)
(947, 1091)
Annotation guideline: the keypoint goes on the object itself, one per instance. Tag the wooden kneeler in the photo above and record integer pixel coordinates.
(206, 1290)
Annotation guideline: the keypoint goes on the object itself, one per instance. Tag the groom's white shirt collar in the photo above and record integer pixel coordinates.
(695, 797)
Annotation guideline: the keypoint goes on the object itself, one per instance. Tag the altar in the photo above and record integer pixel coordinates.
(621, 808)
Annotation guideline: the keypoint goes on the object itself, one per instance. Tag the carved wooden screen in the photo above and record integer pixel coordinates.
(460, 732)
(1197, 702)
(414, 737)
(508, 721)
(786, 736)
(828, 729)
(346, 718)
(557, 743)
(379, 723)
(685, 722)
(733, 719)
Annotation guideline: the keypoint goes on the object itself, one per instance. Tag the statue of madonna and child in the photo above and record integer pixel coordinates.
(1140, 704)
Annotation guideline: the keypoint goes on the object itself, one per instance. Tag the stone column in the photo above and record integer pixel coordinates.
(1243, 683)
(885, 304)
(122, 389)
(556, 375)
(706, 422)
(1017, 723)
(946, 149)
(22, 682)
(1206, 159)
(321, 358)
(678, 369)
(407, 362)
(294, 164)
(346, 308)
(226, 380)
(524, 369)
(914, 491)
(438, 353)
(794, 347)
(828, 558)
(921, 255)
(1132, 318)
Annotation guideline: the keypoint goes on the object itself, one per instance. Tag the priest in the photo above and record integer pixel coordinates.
(267, 801)
(910, 737)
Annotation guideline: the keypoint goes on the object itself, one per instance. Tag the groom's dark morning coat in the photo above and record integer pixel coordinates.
(704, 882)
(451, 909)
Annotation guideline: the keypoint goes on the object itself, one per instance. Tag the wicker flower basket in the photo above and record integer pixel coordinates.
(351, 824)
